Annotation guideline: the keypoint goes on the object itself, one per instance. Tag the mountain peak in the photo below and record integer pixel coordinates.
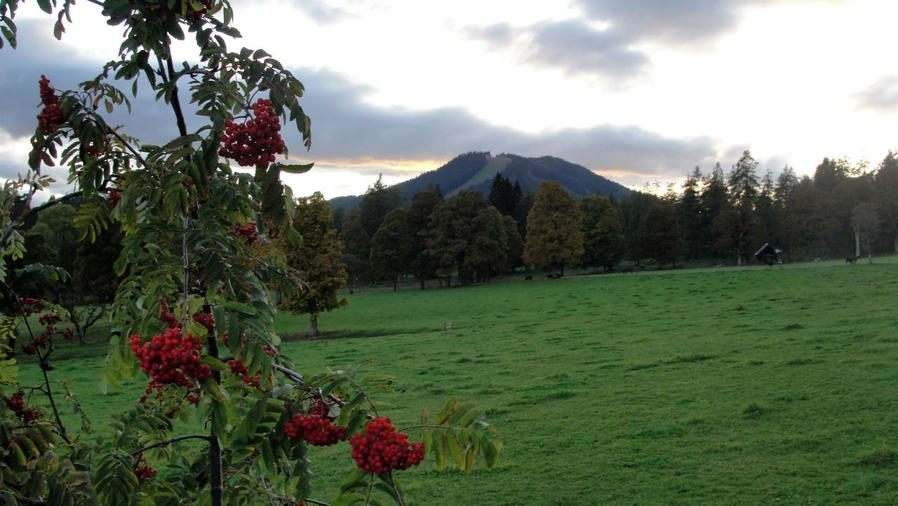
(476, 170)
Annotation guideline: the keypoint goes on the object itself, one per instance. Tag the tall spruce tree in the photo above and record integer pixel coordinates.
(503, 196)
(377, 202)
(743, 186)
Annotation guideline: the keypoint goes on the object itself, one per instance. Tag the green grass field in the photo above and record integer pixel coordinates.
(723, 386)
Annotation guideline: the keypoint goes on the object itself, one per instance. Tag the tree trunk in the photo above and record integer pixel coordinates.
(396, 284)
(857, 241)
(313, 325)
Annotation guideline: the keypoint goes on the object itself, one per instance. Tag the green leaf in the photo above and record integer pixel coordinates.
(214, 363)
(214, 389)
(296, 168)
(455, 450)
(45, 6)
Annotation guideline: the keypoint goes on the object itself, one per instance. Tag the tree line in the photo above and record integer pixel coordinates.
(719, 218)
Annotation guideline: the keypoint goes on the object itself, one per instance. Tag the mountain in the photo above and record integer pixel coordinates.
(476, 170)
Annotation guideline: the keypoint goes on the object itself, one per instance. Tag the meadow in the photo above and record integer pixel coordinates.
(722, 386)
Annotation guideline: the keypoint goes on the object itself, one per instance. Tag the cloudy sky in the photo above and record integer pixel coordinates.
(639, 91)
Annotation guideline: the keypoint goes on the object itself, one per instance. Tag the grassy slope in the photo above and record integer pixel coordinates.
(717, 386)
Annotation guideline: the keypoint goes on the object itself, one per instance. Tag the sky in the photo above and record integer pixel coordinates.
(639, 91)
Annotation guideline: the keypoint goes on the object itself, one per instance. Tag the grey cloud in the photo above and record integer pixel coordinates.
(344, 127)
(497, 34)
(881, 96)
(666, 20)
(578, 48)
(570, 45)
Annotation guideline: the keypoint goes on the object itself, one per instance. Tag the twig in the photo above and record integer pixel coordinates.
(170, 442)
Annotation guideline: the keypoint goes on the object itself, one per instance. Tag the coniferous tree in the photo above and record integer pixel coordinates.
(715, 201)
(743, 191)
(503, 196)
(692, 215)
(318, 258)
(377, 202)
(554, 238)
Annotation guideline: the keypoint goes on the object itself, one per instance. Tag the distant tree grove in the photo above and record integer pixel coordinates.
(720, 217)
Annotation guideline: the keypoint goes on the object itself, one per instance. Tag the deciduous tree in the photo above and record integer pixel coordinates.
(603, 238)
(317, 258)
(554, 237)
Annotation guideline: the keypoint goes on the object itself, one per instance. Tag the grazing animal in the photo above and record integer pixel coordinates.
(528, 278)
(851, 260)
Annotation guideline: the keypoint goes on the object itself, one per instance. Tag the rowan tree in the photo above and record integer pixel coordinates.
(554, 237)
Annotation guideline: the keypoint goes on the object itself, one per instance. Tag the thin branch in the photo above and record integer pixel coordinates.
(395, 489)
(42, 360)
(170, 442)
(128, 146)
(295, 376)
(175, 101)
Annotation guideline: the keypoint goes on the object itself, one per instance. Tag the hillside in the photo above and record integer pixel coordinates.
(475, 171)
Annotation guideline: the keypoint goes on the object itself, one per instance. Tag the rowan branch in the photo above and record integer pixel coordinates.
(171, 442)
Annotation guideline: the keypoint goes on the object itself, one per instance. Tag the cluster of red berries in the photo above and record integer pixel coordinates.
(238, 369)
(171, 359)
(51, 116)
(29, 306)
(255, 142)
(144, 472)
(314, 429)
(206, 320)
(380, 448)
(17, 404)
(48, 320)
(247, 231)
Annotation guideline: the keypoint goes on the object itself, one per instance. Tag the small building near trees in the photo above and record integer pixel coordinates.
(767, 254)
